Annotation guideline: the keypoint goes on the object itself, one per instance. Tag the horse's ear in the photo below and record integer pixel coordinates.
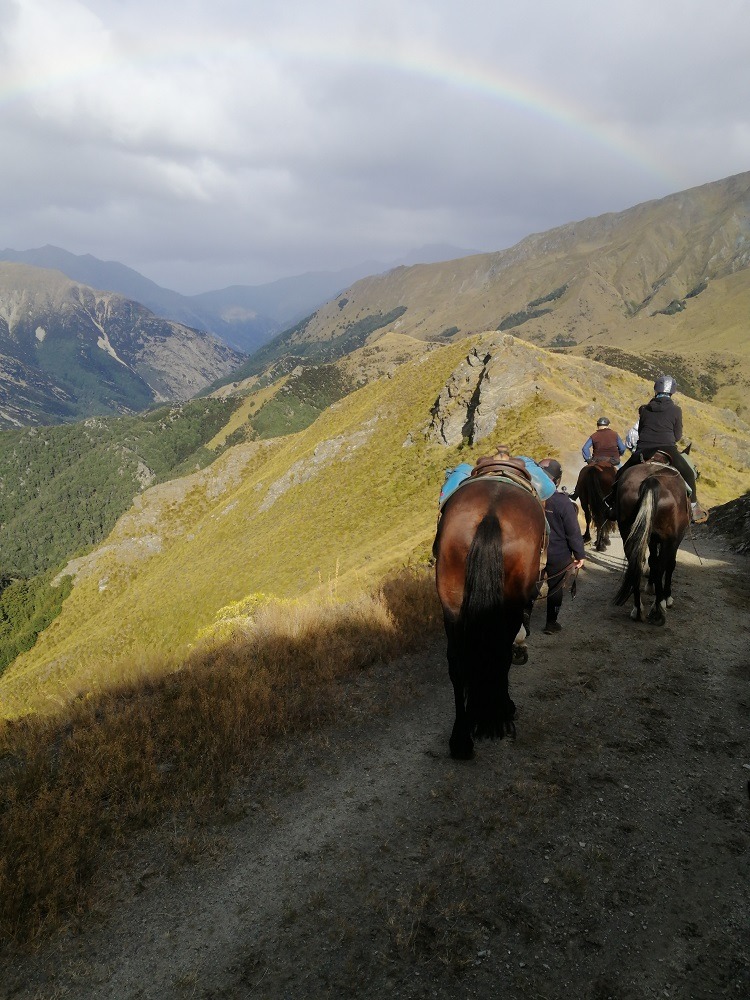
(686, 449)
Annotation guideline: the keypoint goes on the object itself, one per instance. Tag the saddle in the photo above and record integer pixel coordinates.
(602, 463)
(501, 467)
(659, 457)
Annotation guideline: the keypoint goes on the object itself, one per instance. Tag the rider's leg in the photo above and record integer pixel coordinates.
(555, 582)
(688, 474)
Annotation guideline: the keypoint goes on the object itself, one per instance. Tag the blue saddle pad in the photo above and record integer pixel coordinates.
(452, 479)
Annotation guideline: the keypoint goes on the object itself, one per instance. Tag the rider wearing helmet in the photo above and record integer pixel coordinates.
(659, 429)
(604, 444)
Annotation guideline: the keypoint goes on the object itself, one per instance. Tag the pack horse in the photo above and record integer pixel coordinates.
(487, 559)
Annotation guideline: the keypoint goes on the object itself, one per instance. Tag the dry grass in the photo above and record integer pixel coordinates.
(174, 744)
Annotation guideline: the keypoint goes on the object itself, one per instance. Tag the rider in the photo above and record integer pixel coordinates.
(659, 429)
(604, 444)
(565, 549)
(631, 438)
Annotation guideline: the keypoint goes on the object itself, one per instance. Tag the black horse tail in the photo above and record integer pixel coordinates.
(483, 634)
(595, 485)
(636, 544)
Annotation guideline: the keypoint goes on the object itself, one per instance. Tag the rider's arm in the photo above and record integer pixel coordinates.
(586, 450)
(678, 423)
(573, 534)
(620, 445)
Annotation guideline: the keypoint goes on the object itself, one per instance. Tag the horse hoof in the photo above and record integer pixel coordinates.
(635, 614)
(670, 602)
(520, 655)
(461, 749)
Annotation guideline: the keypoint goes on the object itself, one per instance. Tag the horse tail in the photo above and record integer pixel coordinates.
(636, 544)
(482, 628)
(595, 485)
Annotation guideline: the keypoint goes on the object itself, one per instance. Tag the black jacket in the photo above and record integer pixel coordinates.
(659, 423)
(564, 534)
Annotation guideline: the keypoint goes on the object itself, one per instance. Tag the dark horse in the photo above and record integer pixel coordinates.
(653, 512)
(487, 551)
(594, 484)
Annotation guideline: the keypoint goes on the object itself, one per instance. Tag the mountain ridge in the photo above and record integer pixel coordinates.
(640, 281)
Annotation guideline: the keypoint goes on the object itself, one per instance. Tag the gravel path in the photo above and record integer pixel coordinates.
(602, 854)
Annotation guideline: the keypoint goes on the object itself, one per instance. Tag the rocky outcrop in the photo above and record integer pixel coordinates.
(498, 374)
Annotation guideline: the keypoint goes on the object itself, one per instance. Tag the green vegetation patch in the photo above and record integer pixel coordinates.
(302, 398)
(698, 289)
(674, 307)
(518, 318)
(552, 297)
(700, 385)
(63, 488)
(26, 608)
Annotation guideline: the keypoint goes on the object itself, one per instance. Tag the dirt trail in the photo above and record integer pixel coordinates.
(603, 853)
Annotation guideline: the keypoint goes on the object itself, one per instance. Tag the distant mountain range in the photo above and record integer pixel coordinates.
(243, 316)
(661, 286)
(67, 351)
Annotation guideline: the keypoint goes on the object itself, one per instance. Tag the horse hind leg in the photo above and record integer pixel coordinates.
(657, 614)
(662, 562)
(461, 744)
(520, 652)
(587, 533)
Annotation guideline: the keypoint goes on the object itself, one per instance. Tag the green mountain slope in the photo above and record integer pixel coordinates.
(63, 488)
(334, 506)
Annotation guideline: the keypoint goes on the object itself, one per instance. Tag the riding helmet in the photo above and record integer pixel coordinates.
(602, 422)
(665, 384)
(553, 468)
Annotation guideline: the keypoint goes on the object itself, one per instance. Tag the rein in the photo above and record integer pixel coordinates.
(562, 573)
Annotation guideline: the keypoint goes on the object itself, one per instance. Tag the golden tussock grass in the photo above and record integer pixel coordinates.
(174, 742)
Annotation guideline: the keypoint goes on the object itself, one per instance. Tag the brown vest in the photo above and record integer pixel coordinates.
(604, 442)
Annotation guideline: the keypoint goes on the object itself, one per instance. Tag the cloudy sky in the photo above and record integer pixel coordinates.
(213, 142)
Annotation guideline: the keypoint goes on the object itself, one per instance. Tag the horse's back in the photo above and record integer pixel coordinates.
(520, 521)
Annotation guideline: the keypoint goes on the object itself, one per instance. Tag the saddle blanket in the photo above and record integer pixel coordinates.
(539, 479)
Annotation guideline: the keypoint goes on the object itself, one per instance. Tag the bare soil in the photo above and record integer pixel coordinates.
(603, 853)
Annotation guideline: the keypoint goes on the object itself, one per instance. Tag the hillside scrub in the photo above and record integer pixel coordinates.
(171, 739)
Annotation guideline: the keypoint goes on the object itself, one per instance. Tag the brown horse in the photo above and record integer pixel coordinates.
(594, 484)
(653, 512)
(487, 551)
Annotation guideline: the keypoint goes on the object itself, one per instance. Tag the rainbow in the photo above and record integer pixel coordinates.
(446, 69)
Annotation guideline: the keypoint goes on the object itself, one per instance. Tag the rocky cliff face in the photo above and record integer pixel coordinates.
(67, 351)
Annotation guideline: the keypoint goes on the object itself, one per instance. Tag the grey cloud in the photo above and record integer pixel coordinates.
(229, 144)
